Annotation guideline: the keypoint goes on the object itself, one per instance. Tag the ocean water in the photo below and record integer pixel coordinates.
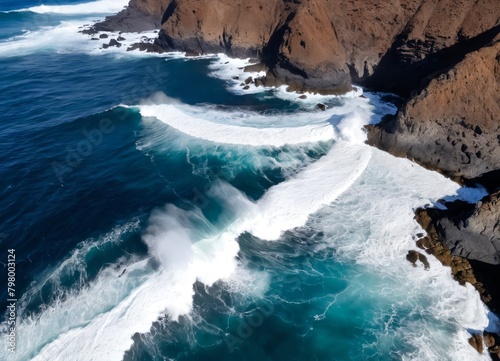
(159, 212)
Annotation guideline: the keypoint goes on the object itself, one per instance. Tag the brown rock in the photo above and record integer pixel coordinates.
(476, 341)
(303, 97)
(424, 261)
(412, 257)
(322, 44)
(256, 68)
(248, 80)
(439, 126)
(147, 47)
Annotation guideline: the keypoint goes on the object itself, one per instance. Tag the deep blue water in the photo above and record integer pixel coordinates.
(82, 177)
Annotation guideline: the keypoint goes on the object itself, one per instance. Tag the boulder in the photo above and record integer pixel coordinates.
(112, 42)
(476, 341)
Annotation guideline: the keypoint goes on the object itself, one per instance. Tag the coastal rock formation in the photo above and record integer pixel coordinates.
(322, 45)
(492, 342)
(473, 231)
(476, 341)
(466, 237)
(452, 124)
(139, 15)
(484, 277)
(414, 256)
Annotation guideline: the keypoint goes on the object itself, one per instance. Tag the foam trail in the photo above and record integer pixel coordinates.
(170, 290)
(373, 224)
(211, 258)
(94, 7)
(231, 134)
(289, 204)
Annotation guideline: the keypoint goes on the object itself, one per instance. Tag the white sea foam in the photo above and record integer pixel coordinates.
(170, 238)
(289, 204)
(65, 38)
(93, 7)
(77, 306)
(230, 134)
(211, 257)
(373, 223)
(342, 122)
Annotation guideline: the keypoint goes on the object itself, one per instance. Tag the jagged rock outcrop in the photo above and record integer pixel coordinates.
(471, 231)
(484, 277)
(453, 124)
(139, 15)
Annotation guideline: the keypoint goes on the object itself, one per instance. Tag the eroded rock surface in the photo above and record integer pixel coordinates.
(453, 124)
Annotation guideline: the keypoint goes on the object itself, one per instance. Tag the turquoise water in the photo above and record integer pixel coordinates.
(146, 229)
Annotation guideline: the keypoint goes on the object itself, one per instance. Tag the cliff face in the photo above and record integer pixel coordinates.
(452, 124)
(323, 44)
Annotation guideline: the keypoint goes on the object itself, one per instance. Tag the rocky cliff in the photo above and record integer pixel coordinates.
(323, 44)
(453, 123)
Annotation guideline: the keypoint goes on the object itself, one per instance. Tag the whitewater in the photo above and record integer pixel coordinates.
(311, 181)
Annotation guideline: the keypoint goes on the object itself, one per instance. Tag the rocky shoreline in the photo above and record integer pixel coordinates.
(442, 57)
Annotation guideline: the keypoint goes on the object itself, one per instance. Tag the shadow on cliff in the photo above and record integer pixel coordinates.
(402, 74)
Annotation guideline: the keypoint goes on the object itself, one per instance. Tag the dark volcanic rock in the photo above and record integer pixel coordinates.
(255, 68)
(472, 231)
(442, 56)
(112, 42)
(103, 36)
(492, 342)
(453, 124)
(139, 15)
(321, 106)
(325, 44)
(484, 277)
(147, 47)
(414, 256)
